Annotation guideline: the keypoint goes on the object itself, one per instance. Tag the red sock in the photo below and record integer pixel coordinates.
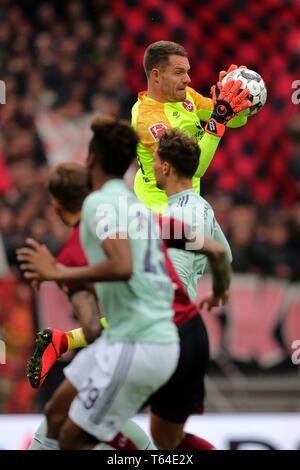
(122, 442)
(191, 442)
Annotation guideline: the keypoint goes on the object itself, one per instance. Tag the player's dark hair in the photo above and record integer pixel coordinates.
(157, 54)
(114, 144)
(68, 183)
(180, 150)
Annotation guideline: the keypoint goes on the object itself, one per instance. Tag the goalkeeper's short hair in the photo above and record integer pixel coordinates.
(157, 54)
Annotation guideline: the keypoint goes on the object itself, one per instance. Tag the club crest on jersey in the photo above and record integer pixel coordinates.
(188, 105)
(157, 129)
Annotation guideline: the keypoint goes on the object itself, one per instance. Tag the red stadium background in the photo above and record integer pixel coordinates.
(263, 35)
(64, 61)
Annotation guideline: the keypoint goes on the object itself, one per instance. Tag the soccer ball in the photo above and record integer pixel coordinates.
(253, 81)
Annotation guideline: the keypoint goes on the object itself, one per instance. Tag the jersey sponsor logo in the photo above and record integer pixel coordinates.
(188, 105)
(157, 129)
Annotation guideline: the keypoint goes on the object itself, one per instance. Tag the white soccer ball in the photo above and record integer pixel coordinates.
(255, 84)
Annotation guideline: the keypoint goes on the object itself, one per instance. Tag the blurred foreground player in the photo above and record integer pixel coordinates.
(68, 187)
(108, 381)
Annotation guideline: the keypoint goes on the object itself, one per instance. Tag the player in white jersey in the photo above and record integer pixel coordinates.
(194, 210)
(173, 170)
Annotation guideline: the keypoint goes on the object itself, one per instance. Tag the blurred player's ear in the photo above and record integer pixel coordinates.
(166, 168)
(55, 204)
(90, 160)
(154, 74)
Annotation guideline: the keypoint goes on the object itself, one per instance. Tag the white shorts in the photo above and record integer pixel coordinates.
(114, 380)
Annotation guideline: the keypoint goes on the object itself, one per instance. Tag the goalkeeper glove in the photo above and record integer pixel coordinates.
(228, 101)
(233, 67)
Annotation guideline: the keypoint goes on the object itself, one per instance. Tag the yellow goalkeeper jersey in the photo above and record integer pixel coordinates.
(150, 118)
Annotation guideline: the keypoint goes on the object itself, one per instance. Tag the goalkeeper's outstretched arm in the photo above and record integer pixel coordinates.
(228, 101)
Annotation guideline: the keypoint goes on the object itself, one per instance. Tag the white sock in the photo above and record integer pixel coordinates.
(103, 446)
(50, 444)
(40, 441)
(135, 433)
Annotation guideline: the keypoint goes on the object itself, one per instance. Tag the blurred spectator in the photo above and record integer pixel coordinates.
(265, 242)
(3, 260)
(60, 64)
(293, 128)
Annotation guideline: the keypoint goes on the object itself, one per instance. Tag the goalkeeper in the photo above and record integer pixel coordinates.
(170, 102)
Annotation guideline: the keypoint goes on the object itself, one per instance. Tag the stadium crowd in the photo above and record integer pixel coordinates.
(61, 64)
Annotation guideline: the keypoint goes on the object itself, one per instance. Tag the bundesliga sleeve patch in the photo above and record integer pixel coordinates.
(157, 130)
(188, 105)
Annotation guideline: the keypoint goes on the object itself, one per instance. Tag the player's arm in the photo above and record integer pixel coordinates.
(205, 105)
(227, 103)
(208, 147)
(219, 236)
(83, 299)
(233, 123)
(206, 111)
(220, 268)
(117, 267)
(87, 313)
(219, 264)
(211, 139)
(177, 234)
(205, 108)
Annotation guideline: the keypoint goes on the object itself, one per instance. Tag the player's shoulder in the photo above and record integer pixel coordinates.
(200, 203)
(147, 111)
(94, 200)
(199, 100)
(192, 93)
(93, 197)
(204, 202)
(150, 125)
(99, 207)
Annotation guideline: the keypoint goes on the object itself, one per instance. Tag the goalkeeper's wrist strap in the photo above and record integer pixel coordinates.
(103, 323)
(215, 128)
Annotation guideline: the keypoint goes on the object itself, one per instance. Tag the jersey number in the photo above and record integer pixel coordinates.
(148, 266)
